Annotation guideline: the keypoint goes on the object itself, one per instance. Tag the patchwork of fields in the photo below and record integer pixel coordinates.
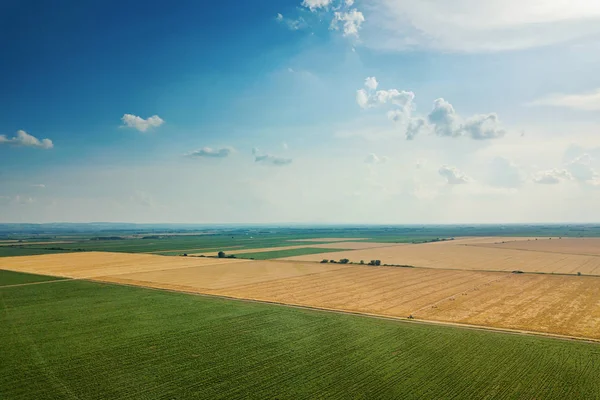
(484, 254)
(564, 305)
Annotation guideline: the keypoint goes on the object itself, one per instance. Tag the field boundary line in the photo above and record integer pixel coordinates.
(365, 314)
(62, 279)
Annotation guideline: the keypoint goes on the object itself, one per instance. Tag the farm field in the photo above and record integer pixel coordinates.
(564, 305)
(475, 254)
(588, 246)
(81, 339)
(333, 246)
(269, 255)
(9, 278)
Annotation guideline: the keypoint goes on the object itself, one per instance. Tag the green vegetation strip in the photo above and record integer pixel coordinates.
(98, 341)
(8, 278)
(268, 255)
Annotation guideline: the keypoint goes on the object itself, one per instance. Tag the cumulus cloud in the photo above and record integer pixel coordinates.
(583, 101)
(269, 159)
(316, 4)
(453, 176)
(552, 177)
(351, 22)
(442, 120)
(400, 101)
(142, 125)
(211, 153)
(24, 139)
(292, 24)
(375, 159)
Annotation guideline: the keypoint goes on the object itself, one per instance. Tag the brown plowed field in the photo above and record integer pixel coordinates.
(567, 305)
(472, 254)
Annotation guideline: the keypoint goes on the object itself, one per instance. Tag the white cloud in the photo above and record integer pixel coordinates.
(351, 21)
(371, 83)
(24, 139)
(211, 153)
(272, 160)
(349, 3)
(482, 26)
(453, 176)
(584, 101)
(316, 4)
(142, 125)
(552, 177)
(292, 24)
(443, 119)
(375, 159)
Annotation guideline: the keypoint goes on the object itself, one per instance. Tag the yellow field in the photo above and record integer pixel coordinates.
(333, 245)
(567, 305)
(478, 254)
(587, 246)
(92, 264)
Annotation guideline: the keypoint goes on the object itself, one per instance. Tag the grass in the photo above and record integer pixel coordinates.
(98, 341)
(268, 255)
(8, 278)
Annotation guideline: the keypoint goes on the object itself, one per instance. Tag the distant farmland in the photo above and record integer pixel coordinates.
(78, 339)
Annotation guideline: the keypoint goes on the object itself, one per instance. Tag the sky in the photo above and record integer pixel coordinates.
(300, 111)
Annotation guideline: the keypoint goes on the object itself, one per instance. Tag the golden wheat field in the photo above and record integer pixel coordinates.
(566, 305)
(479, 254)
(583, 246)
(332, 245)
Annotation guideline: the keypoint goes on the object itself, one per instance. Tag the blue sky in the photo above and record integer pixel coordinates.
(366, 111)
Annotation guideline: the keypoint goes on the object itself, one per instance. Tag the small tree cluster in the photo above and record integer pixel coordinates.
(375, 262)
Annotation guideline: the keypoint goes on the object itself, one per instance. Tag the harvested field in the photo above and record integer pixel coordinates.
(221, 276)
(90, 265)
(456, 255)
(587, 246)
(566, 305)
(333, 245)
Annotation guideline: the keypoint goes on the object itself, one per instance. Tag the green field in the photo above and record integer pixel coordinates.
(268, 255)
(89, 340)
(8, 278)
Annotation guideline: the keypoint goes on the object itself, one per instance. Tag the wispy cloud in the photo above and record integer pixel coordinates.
(211, 153)
(453, 175)
(269, 159)
(589, 101)
(141, 124)
(481, 26)
(552, 177)
(39, 186)
(24, 139)
(375, 159)
(292, 24)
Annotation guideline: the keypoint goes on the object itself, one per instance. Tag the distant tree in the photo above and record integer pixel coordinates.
(324, 261)
(221, 254)
(377, 262)
(333, 261)
(344, 261)
(185, 254)
(579, 274)
(362, 261)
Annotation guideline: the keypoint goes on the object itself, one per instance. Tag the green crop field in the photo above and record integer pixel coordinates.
(268, 255)
(8, 278)
(78, 339)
